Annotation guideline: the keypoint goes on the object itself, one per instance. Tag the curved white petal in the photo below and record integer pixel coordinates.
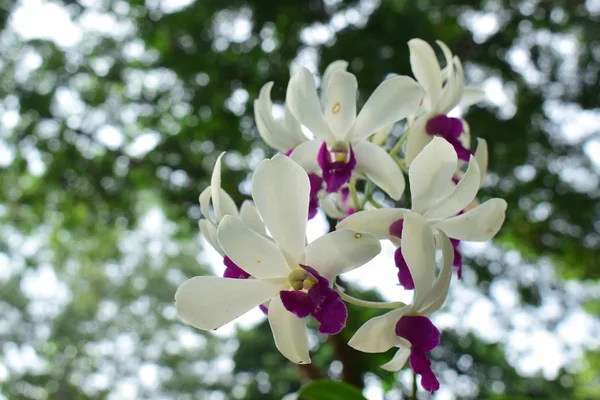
(306, 155)
(399, 359)
(379, 167)
(339, 102)
(292, 127)
(222, 202)
(289, 332)
(209, 231)
(436, 297)
(339, 65)
(394, 99)
(208, 302)
(341, 251)
(471, 96)
(417, 138)
(304, 104)
(418, 249)
(379, 334)
(453, 90)
(251, 219)
(281, 189)
(426, 68)
(380, 137)
(268, 128)
(430, 173)
(204, 201)
(329, 204)
(477, 225)
(462, 195)
(481, 155)
(251, 251)
(376, 222)
(449, 89)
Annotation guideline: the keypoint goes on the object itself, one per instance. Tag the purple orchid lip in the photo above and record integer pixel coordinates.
(320, 301)
(450, 129)
(404, 276)
(316, 182)
(233, 271)
(423, 337)
(396, 228)
(335, 173)
(457, 263)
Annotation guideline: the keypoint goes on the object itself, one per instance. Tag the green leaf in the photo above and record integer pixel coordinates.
(330, 390)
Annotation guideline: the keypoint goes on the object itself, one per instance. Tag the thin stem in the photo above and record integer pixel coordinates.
(414, 387)
(368, 193)
(375, 203)
(398, 145)
(370, 304)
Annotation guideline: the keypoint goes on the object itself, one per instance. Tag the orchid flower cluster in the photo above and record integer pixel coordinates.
(338, 169)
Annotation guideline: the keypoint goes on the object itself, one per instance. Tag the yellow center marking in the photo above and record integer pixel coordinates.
(258, 261)
(336, 108)
(357, 235)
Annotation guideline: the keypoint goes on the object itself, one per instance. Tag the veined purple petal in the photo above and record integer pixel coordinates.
(335, 173)
(421, 365)
(296, 302)
(444, 126)
(404, 276)
(419, 331)
(233, 271)
(316, 182)
(450, 129)
(396, 228)
(322, 302)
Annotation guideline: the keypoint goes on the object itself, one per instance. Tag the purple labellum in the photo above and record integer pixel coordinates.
(457, 263)
(450, 129)
(396, 228)
(423, 337)
(344, 195)
(404, 276)
(264, 309)
(316, 182)
(323, 303)
(335, 173)
(289, 152)
(421, 365)
(233, 271)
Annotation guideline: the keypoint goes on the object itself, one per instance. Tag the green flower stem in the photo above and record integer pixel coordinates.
(398, 145)
(354, 195)
(369, 304)
(375, 203)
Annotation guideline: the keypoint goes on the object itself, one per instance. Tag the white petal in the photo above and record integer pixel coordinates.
(304, 104)
(454, 91)
(462, 195)
(204, 201)
(208, 302)
(250, 217)
(306, 155)
(380, 137)
(292, 127)
(399, 359)
(394, 99)
(436, 297)
(268, 128)
(481, 155)
(417, 138)
(341, 251)
(289, 332)
(477, 225)
(430, 173)
(339, 65)
(251, 251)
(209, 231)
(378, 334)
(471, 96)
(280, 189)
(376, 222)
(339, 102)
(418, 249)
(329, 204)
(222, 202)
(379, 167)
(426, 69)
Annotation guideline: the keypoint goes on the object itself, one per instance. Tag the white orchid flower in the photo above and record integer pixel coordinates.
(444, 90)
(439, 200)
(295, 277)
(339, 147)
(408, 327)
